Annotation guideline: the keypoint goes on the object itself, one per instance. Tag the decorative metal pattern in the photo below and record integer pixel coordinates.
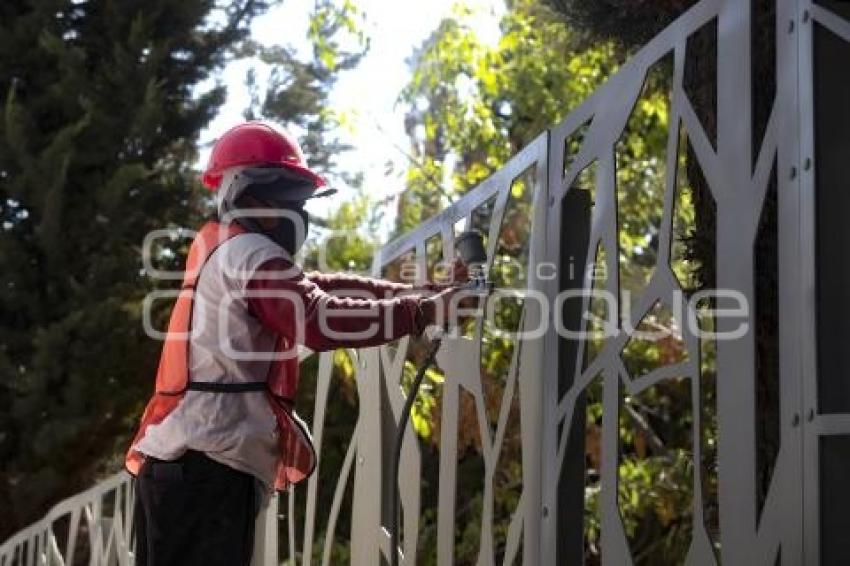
(738, 179)
(93, 527)
(576, 199)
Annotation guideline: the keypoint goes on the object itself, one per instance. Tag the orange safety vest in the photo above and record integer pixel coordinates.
(297, 455)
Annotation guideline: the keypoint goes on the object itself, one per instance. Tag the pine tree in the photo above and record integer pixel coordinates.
(98, 134)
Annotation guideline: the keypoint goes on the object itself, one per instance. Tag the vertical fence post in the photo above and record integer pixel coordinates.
(533, 362)
(265, 535)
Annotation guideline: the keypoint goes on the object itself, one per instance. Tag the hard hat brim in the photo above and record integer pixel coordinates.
(318, 180)
(212, 179)
(279, 183)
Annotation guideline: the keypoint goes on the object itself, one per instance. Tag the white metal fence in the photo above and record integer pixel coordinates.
(93, 527)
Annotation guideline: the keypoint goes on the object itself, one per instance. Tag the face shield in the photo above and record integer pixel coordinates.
(270, 201)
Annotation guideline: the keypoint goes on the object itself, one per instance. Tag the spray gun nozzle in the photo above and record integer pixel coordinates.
(470, 249)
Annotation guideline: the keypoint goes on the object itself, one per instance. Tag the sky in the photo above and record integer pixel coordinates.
(367, 93)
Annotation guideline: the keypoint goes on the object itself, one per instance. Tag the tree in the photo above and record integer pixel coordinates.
(630, 24)
(472, 106)
(96, 144)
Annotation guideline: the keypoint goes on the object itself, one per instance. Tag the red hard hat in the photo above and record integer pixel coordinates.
(256, 143)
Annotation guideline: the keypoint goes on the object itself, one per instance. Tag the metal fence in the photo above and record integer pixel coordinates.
(743, 183)
(93, 527)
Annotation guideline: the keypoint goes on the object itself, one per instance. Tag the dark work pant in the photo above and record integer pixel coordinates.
(194, 511)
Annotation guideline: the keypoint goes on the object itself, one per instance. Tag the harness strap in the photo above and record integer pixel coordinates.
(219, 387)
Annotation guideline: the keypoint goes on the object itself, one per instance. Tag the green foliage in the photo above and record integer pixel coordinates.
(641, 166)
(655, 496)
(346, 240)
(328, 20)
(630, 24)
(423, 412)
(472, 105)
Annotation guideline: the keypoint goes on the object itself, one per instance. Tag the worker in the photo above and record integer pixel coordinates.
(220, 433)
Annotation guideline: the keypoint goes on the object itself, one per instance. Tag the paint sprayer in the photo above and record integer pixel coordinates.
(470, 250)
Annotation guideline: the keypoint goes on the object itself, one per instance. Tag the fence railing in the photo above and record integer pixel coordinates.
(93, 527)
